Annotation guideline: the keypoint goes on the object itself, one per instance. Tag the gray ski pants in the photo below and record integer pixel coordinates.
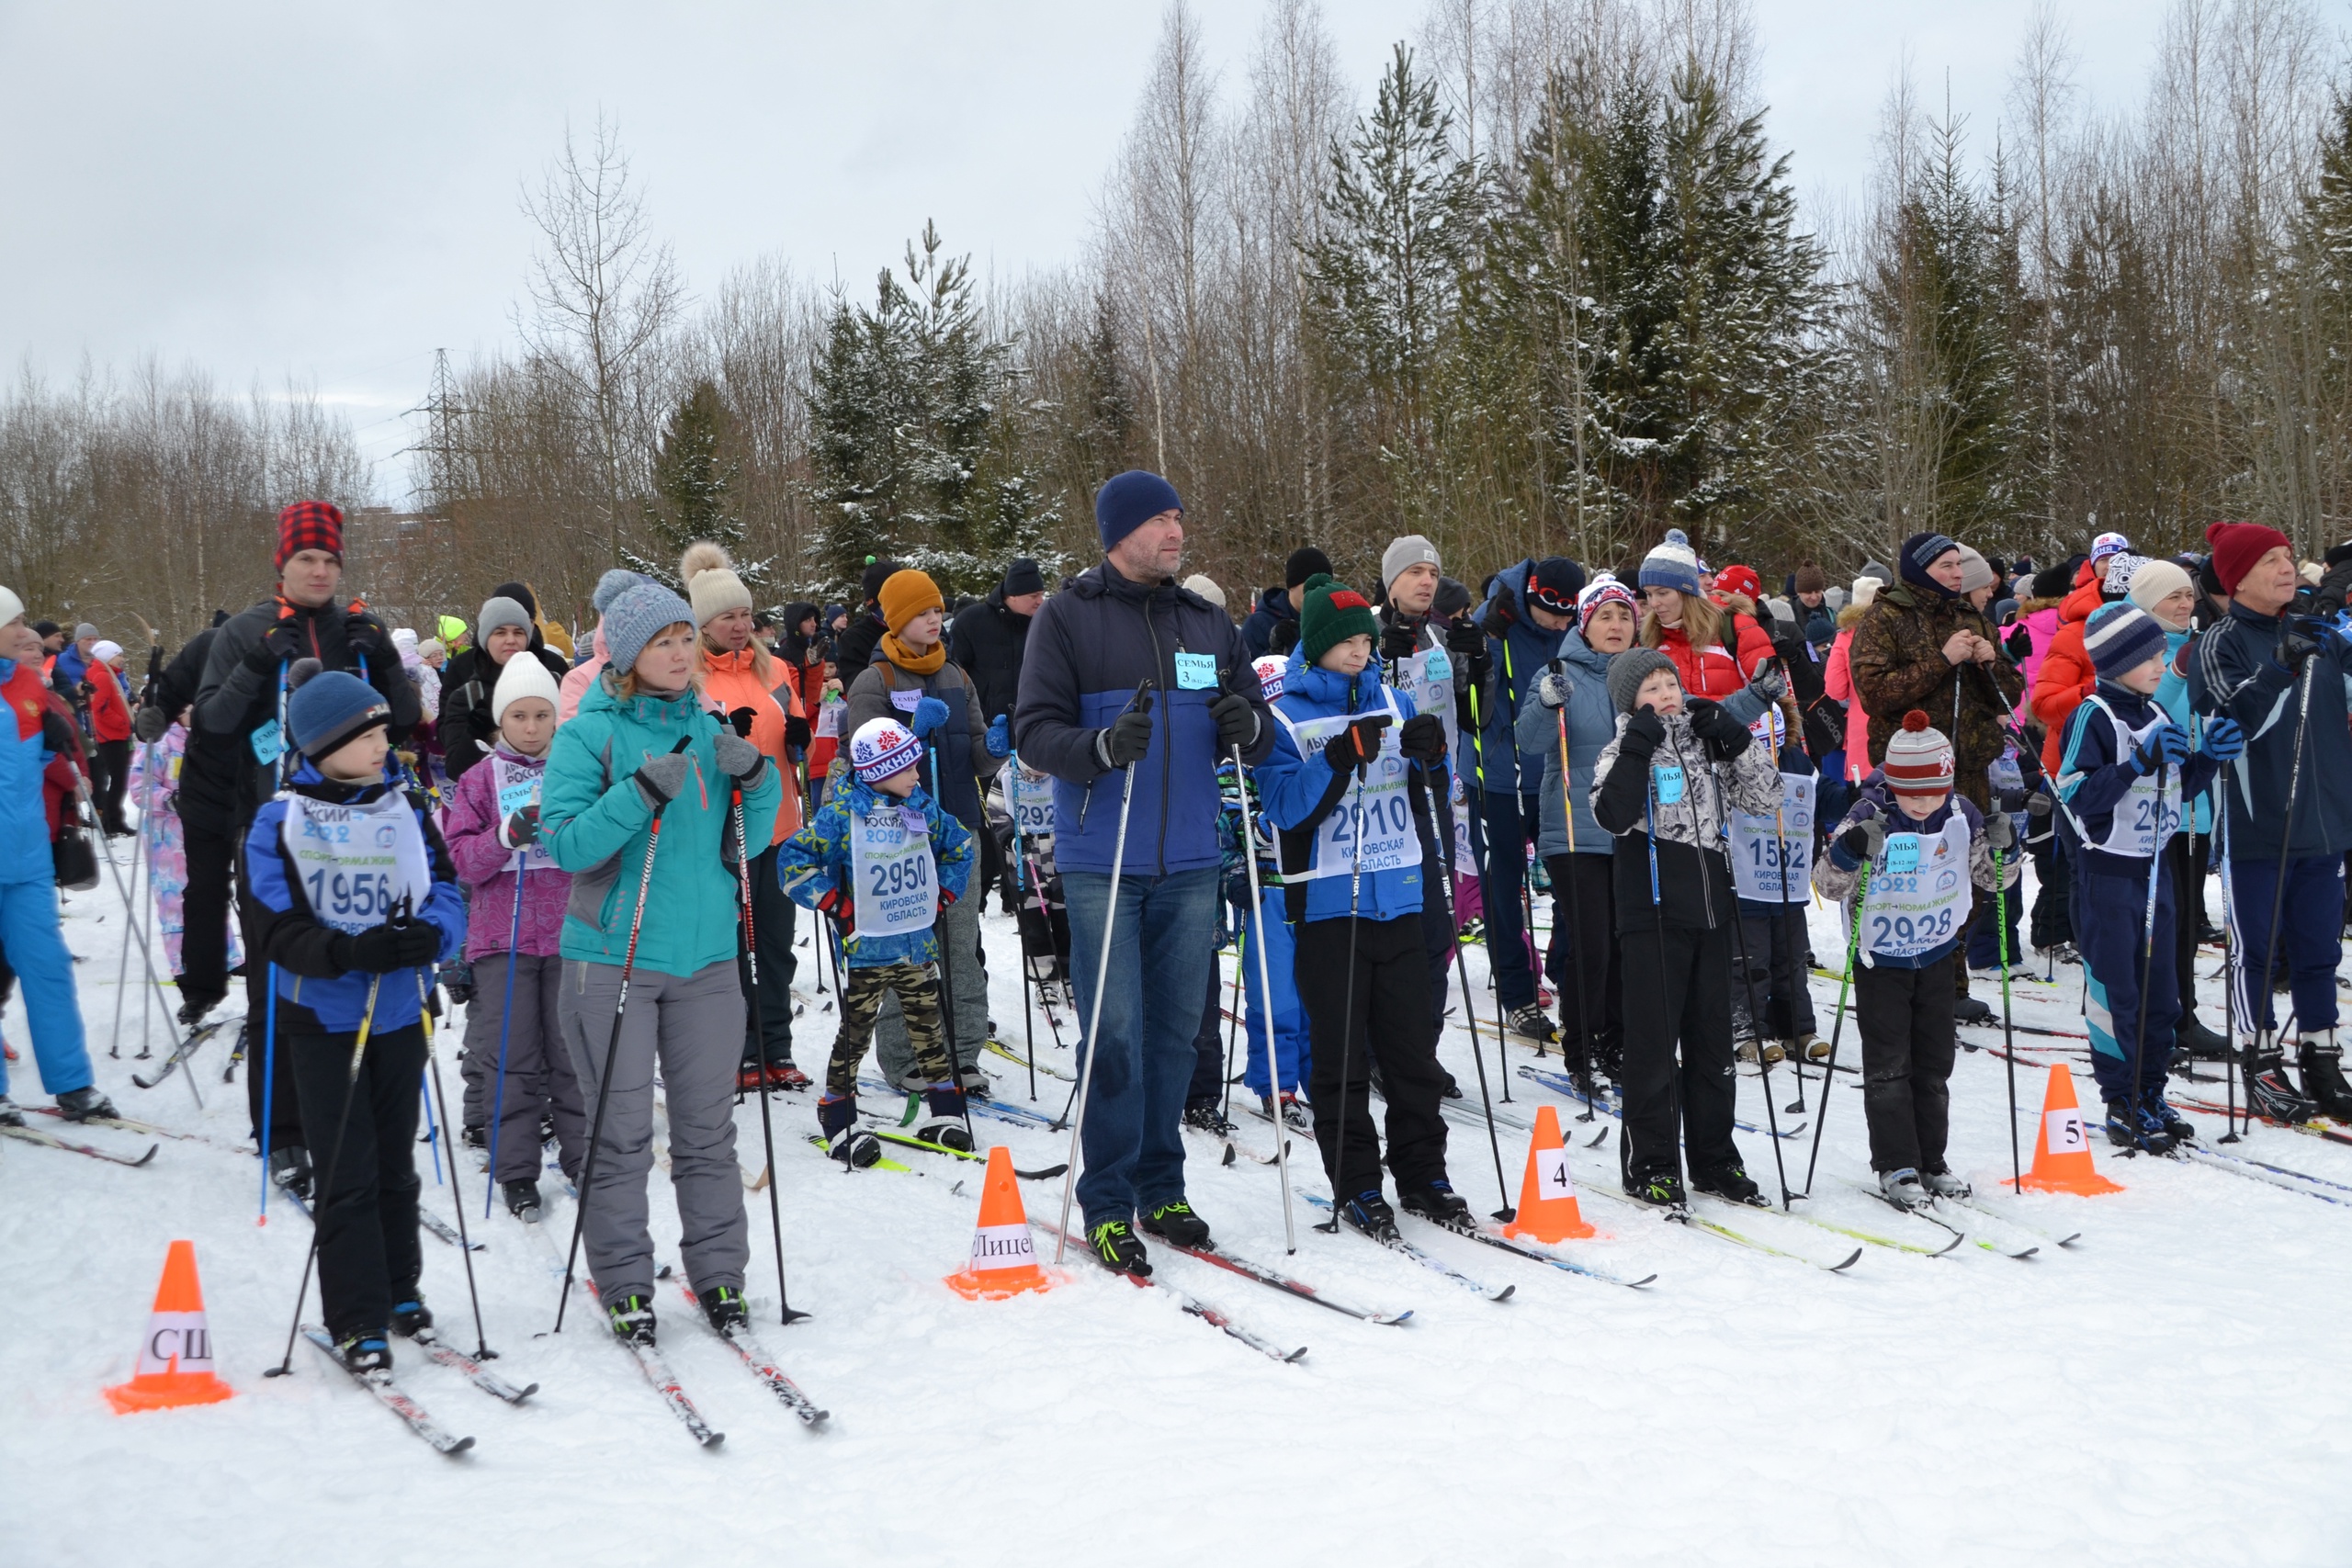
(695, 1026)
(539, 1079)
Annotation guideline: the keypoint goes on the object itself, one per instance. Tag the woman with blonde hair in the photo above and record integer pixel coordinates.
(1717, 653)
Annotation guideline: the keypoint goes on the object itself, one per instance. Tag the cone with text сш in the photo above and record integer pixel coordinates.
(1003, 1262)
(1548, 1195)
(2061, 1150)
(176, 1358)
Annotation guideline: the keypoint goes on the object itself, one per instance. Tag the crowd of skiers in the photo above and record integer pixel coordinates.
(604, 855)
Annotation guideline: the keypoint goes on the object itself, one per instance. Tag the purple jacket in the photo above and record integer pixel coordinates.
(470, 825)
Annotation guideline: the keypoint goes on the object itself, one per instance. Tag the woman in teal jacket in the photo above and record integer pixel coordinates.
(644, 747)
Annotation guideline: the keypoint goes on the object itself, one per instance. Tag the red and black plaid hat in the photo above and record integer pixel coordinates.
(309, 526)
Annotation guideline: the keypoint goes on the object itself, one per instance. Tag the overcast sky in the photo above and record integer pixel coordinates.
(330, 192)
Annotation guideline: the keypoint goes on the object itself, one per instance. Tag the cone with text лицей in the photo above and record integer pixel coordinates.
(1003, 1262)
(2061, 1150)
(176, 1357)
(1547, 1194)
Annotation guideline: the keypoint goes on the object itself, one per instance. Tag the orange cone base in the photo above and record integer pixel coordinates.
(2091, 1186)
(1577, 1230)
(1000, 1284)
(162, 1390)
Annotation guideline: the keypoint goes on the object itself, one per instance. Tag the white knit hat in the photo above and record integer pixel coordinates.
(1865, 593)
(524, 676)
(1205, 586)
(882, 747)
(106, 652)
(709, 580)
(11, 607)
(1270, 670)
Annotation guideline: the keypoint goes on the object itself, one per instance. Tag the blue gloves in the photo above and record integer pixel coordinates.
(929, 715)
(2169, 743)
(1000, 740)
(2225, 742)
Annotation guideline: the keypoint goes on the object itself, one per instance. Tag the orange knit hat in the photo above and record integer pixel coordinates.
(905, 596)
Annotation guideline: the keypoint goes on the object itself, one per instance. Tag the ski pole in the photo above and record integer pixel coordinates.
(2278, 889)
(1508, 1213)
(1265, 996)
(612, 1053)
(2008, 1032)
(759, 1032)
(1102, 983)
(1837, 1027)
(136, 929)
(2147, 953)
(947, 986)
(457, 1198)
(263, 1134)
(2233, 957)
(1017, 871)
(505, 1026)
(326, 1187)
(1485, 879)
(1576, 942)
(1338, 1153)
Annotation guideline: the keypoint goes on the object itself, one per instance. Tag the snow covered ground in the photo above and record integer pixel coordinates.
(2155, 1392)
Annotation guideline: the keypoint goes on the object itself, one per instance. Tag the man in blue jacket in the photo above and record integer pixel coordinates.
(2281, 677)
(1132, 688)
(1531, 606)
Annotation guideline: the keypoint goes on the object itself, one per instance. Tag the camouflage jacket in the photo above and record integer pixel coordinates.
(1898, 664)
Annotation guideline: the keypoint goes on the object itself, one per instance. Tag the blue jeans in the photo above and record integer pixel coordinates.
(1162, 949)
(30, 934)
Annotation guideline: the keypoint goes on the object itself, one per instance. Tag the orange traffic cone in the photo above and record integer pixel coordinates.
(2061, 1150)
(1003, 1262)
(176, 1358)
(1547, 1196)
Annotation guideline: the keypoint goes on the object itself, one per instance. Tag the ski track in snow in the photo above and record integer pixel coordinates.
(2145, 1394)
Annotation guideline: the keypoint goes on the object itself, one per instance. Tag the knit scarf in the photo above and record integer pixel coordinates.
(907, 659)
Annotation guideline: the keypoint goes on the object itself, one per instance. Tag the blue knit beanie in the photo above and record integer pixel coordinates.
(330, 708)
(613, 584)
(1921, 551)
(636, 618)
(1127, 501)
(1673, 564)
(2120, 639)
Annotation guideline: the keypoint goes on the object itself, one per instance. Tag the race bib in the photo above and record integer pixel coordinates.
(1428, 678)
(829, 717)
(268, 743)
(518, 790)
(1380, 802)
(905, 698)
(1769, 850)
(1920, 900)
(1195, 672)
(895, 881)
(1667, 779)
(1032, 805)
(355, 862)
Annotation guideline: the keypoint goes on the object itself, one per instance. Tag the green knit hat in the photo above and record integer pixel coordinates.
(1331, 613)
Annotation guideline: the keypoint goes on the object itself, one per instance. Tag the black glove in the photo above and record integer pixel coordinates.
(1399, 640)
(1129, 737)
(1423, 737)
(1863, 840)
(1724, 736)
(2019, 643)
(2301, 636)
(661, 778)
(56, 732)
(362, 634)
(521, 829)
(282, 644)
(1463, 639)
(1357, 745)
(796, 731)
(1283, 637)
(1644, 732)
(149, 724)
(1237, 722)
(380, 949)
(457, 978)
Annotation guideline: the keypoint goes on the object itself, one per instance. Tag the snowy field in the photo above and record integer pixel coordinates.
(2152, 1393)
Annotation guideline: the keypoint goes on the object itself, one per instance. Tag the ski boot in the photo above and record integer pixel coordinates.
(1748, 1051)
(1727, 1181)
(631, 1320)
(1206, 1118)
(723, 1306)
(2192, 1038)
(1436, 1202)
(977, 1084)
(1966, 1009)
(1941, 1183)
(1120, 1249)
(1659, 1189)
(89, 1105)
(1810, 1048)
(11, 1114)
(193, 1008)
(2323, 1085)
(2269, 1091)
(289, 1168)
(1369, 1212)
(364, 1354)
(1902, 1187)
(1293, 1115)
(522, 1199)
(2154, 1108)
(1528, 1024)
(845, 1139)
(945, 1126)
(410, 1314)
(2129, 1127)
(1177, 1224)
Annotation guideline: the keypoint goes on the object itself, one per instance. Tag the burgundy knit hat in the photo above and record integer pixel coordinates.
(309, 526)
(2237, 546)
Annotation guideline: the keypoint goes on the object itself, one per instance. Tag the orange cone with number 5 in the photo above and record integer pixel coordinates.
(1547, 1194)
(1003, 1263)
(2061, 1150)
(176, 1357)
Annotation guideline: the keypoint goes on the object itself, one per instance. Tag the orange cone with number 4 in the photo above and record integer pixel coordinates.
(1003, 1262)
(2061, 1150)
(1548, 1195)
(176, 1358)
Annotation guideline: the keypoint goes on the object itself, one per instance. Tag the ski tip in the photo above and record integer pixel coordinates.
(708, 1440)
(1295, 1357)
(142, 1159)
(458, 1446)
(1957, 1238)
(1644, 1279)
(1392, 1319)
(1228, 1155)
(1504, 1294)
(1852, 1258)
(2029, 1252)
(2069, 1240)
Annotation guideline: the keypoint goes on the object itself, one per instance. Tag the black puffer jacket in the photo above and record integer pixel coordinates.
(468, 732)
(988, 640)
(236, 698)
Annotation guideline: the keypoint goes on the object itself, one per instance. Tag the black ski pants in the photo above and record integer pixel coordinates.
(1904, 1016)
(367, 1248)
(1384, 1014)
(1592, 987)
(1678, 993)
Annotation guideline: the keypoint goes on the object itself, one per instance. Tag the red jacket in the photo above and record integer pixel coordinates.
(109, 715)
(2066, 677)
(1714, 671)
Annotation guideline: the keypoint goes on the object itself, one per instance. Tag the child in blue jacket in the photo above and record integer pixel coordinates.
(882, 860)
(353, 896)
(1348, 789)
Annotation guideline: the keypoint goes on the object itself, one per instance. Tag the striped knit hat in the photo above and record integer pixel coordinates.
(1918, 758)
(883, 747)
(1604, 589)
(2121, 637)
(1673, 564)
